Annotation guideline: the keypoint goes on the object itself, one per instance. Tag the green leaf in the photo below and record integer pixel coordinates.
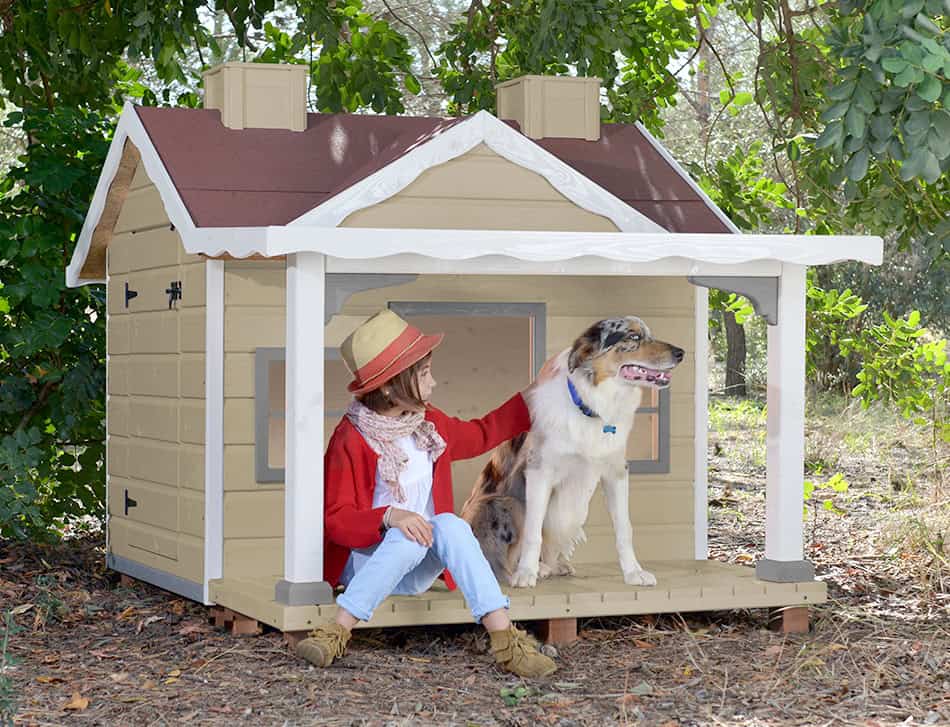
(412, 84)
(678, 4)
(855, 121)
(743, 98)
(857, 166)
(930, 89)
(894, 64)
(835, 111)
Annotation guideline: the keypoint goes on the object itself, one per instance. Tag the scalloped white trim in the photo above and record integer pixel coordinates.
(482, 128)
(129, 127)
(361, 243)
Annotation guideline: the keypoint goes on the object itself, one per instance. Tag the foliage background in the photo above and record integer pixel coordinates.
(794, 115)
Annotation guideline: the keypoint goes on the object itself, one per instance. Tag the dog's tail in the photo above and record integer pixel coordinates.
(496, 507)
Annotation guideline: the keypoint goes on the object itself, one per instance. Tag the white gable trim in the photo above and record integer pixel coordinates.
(665, 153)
(482, 128)
(129, 128)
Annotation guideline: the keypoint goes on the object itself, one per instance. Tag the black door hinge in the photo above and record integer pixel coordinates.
(173, 292)
(129, 294)
(129, 502)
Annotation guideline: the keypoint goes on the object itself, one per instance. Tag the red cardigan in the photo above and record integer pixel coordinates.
(349, 472)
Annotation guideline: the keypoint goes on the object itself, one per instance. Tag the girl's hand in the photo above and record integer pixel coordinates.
(412, 525)
(547, 372)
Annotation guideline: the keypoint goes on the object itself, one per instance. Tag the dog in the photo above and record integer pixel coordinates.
(530, 502)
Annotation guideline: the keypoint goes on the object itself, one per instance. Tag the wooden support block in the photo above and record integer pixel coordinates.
(233, 622)
(789, 620)
(292, 638)
(558, 631)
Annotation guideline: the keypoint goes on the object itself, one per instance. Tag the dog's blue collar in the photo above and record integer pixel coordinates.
(579, 403)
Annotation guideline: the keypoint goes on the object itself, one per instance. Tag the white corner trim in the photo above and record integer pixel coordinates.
(214, 423)
(665, 153)
(130, 127)
(485, 128)
(701, 426)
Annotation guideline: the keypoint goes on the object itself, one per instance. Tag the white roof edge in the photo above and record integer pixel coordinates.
(534, 245)
(129, 127)
(485, 128)
(665, 153)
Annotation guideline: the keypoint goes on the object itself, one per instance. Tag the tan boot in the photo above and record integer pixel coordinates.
(518, 653)
(324, 644)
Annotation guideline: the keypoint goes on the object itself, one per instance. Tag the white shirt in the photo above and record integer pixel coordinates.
(416, 482)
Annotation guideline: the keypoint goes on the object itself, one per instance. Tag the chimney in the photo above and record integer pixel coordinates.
(258, 95)
(546, 106)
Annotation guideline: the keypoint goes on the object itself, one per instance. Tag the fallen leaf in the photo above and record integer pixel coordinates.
(175, 673)
(148, 684)
(48, 680)
(77, 703)
(23, 608)
(644, 644)
(627, 699)
(170, 680)
(641, 689)
(119, 676)
(193, 629)
(146, 621)
(126, 613)
(774, 650)
(687, 671)
(177, 607)
(420, 659)
(51, 658)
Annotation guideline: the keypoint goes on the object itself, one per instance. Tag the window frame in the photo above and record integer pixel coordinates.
(537, 312)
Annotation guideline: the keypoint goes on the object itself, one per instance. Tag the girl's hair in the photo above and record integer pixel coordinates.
(401, 390)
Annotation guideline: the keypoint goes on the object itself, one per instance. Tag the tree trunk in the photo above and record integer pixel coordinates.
(735, 356)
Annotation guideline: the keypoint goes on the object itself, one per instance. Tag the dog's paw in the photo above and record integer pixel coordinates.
(524, 578)
(564, 569)
(545, 571)
(639, 578)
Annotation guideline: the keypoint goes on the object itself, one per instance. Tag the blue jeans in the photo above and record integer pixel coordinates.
(400, 566)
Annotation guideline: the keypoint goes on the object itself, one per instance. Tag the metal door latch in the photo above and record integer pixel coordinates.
(129, 502)
(129, 294)
(173, 292)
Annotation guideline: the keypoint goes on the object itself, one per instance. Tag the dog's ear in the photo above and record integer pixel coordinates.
(582, 350)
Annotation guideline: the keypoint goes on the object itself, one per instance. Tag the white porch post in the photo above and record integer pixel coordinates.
(785, 448)
(303, 466)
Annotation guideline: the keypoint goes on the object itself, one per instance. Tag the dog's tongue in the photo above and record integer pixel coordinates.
(642, 373)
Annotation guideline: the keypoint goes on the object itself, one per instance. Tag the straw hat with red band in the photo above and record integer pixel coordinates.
(382, 347)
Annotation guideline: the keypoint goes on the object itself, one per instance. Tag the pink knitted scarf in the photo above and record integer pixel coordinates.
(381, 433)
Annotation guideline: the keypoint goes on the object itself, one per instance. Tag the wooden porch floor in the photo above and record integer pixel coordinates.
(596, 590)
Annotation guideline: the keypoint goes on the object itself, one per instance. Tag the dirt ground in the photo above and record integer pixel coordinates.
(81, 649)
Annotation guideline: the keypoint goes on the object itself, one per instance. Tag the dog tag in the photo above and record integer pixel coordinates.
(610, 429)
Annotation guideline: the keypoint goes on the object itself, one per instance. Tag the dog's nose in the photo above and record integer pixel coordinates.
(677, 354)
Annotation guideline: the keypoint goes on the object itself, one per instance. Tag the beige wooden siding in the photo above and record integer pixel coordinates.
(156, 391)
(254, 317)
(661, 505)
(480, 190)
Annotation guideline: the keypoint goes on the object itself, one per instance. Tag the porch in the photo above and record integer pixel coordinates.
(596, 590)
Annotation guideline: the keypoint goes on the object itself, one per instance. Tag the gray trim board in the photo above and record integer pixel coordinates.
(263, 358)
(660, 465)
(303, 594)
(784, 571)
(188, 589)
(761, 292)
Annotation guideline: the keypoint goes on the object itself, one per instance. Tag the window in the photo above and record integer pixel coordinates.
(648, 451)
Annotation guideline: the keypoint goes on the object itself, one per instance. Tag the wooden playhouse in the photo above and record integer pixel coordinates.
(240, 243)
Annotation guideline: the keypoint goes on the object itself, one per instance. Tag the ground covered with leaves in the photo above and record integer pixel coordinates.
(78, 647)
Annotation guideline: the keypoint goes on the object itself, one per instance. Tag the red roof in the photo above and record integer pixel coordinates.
(260, 177)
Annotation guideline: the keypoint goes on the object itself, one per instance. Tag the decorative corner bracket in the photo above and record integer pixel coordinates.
(340, 286)
(761, 292)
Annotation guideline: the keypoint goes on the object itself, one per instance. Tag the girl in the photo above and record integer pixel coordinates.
(389, 526)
